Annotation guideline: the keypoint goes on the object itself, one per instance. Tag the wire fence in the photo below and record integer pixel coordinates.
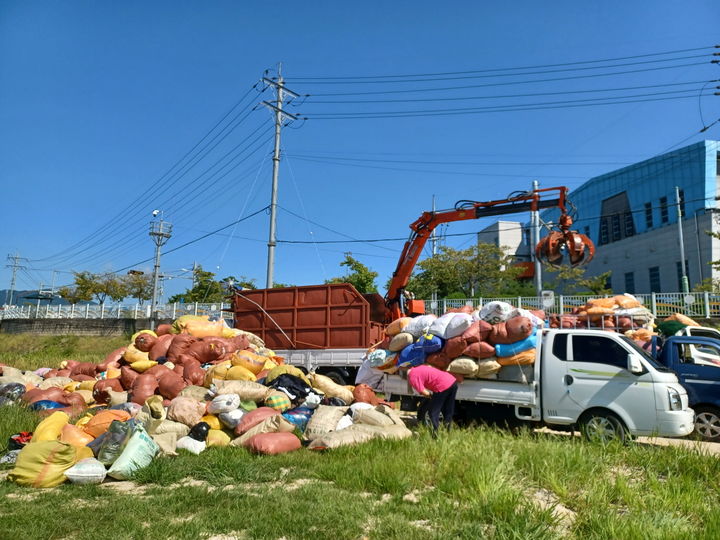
(699, 304)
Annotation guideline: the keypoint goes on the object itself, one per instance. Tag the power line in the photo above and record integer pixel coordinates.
(678, 51)
(508, 83)
(485, 76)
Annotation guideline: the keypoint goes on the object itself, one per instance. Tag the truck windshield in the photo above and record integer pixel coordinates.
(648, 358)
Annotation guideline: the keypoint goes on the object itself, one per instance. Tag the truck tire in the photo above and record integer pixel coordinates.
(707, 423)
(604, 427)
(336, 377)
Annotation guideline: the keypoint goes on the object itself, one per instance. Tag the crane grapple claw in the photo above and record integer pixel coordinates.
(552, 249)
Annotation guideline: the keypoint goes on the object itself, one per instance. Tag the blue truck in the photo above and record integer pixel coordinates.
(696, 362)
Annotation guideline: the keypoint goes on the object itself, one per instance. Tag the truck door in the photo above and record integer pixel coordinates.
(699, 370)
(557, 405)
(598, 377)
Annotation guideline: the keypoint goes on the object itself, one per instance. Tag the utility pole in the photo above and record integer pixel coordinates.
(15, 267)
(535, 224)
(433, 244)
(160, 232)
(684, 280)
(280, 115)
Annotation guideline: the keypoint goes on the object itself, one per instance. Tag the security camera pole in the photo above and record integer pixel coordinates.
(160, 232)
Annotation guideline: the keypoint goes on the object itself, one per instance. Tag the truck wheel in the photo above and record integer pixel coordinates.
(707, 423)
(336, 377)
(603, 427)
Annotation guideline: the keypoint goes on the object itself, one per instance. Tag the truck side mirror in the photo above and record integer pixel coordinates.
(634, 364)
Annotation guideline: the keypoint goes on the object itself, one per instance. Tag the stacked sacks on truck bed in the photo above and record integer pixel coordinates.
(494, 341)
(619, 313)
(190, 386)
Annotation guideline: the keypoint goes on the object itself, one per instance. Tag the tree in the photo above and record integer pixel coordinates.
(711, 285)
(480, 270)
(359, 276)
(564, 279)
(206, 289)
(100, 286)
(138, 285)
(597, 284)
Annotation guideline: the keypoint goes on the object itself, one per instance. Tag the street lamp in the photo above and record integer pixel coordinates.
(160, 232)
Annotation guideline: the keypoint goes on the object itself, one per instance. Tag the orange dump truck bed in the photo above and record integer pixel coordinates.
(333, 316)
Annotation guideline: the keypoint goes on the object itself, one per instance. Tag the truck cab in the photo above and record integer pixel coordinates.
(696, 362)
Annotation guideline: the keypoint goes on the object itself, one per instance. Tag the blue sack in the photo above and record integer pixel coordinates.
(511, 349)
(45, 404)
(416, 353)
(300, 416)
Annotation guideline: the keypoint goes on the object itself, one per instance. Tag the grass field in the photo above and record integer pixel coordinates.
(469, 483)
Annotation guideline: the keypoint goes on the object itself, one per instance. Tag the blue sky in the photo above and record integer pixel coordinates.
(98, 100)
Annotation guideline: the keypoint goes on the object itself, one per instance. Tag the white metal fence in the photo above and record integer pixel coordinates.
(702, 305)
(112, 311)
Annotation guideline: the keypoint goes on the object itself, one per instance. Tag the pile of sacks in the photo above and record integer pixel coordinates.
(181, 389)
(468, 343)
(619, 313)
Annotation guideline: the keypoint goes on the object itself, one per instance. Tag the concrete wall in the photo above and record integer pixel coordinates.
(78, 327)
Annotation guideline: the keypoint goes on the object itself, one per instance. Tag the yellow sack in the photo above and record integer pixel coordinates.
(86, 385)
(84, 420)
(290, 370)
(112, 373)
(136, 334)
(269, 365)
(520, 359)
(212, 421)
(87, 396)
(83, 452)
(217, 437)
(132, 354)
(50, 428)
(143, 365)
(43, 464)
(249, 360)
(239, 373)
(218, 371)
(330, 388)
(607, 303)
(683, 319)
(71, 387)
(395, 327)
(75, 436)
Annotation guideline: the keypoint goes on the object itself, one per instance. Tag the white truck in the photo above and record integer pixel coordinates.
(600, 381)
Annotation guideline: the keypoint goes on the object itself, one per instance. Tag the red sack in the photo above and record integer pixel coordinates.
(499, 334)
(145, 342)
(80, 377)
(127, 377)
(205, 351)
(439, 360)
(480, 349)
(478, 331)
(50, 374)
(112, 359)
(100, 390)
(178, 345)
(170, 385)
(241, 342)
(253, 418)
(273, 443)
(99, 423)
(455, 346)
(518, 328)
(362, 392)
(52, 394)
(142, 388)
(83, 368)
(193, 374)
(163, 329)
(160, 347)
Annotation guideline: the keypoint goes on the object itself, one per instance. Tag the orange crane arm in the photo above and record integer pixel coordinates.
(423, 227)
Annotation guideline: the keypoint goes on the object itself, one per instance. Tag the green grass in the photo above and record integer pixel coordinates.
(470, 483)
(29, 351)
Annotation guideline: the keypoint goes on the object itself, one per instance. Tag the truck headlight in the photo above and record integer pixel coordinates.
(674, 399)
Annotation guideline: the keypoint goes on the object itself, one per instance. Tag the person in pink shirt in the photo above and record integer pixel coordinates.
(441, 387)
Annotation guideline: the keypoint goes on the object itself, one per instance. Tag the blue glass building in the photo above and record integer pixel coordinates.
(631, 215)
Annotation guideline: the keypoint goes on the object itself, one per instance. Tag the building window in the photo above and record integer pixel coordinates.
(604, 231)
(527, 237)
(615, 220)
(587, 231)
(630, 282)
(629, 225)
(682, 203)
(608, 283)
(678, 268)
(663, 210)
(654, 273)
(648, 215)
